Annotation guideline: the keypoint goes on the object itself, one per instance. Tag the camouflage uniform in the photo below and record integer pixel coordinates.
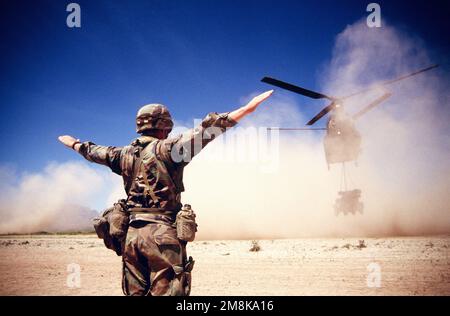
(154, 258)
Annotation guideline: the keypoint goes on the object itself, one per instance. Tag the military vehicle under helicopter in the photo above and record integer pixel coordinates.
(342, 142)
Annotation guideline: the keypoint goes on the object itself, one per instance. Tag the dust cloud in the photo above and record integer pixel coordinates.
(403, 170)
(249, 183)
(58, 199)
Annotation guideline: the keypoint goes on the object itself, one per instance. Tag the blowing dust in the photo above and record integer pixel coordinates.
(403, 170)
(251, 183)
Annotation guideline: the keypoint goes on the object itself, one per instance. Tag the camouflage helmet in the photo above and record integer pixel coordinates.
(153, 116)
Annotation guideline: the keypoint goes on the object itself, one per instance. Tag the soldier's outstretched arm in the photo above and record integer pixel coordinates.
(104, 155)
(183, 148)
(240, 113)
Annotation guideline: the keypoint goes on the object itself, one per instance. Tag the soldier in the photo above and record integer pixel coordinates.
(154, 259)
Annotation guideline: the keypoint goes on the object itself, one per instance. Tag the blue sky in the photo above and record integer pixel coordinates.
(194, 56)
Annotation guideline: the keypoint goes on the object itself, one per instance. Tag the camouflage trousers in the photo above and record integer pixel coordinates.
(154, 261)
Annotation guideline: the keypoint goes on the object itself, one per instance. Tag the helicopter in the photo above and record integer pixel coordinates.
(342, 142)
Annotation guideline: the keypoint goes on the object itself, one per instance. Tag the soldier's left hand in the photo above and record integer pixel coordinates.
(256, 101)
(68, 140)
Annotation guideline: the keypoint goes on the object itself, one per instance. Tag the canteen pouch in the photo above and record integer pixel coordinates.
(185, 224)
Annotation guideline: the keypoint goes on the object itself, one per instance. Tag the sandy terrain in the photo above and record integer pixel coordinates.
(37, 265)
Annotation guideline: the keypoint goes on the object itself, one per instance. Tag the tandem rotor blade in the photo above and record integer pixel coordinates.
(384, 83)
(322, 113)
(409, 75)
(296, 89)
(370, 106)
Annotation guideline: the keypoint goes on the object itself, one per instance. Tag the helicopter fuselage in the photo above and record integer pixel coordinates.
(342, 141)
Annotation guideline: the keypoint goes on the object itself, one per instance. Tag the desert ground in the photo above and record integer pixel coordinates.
(40, 265)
